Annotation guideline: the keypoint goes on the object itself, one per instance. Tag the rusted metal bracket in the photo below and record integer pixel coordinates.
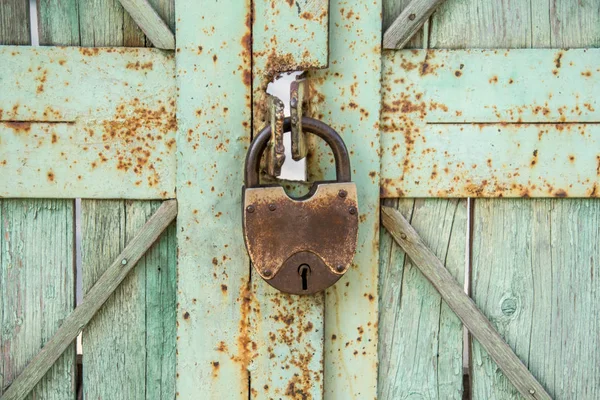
(275, 148)
(299, 146)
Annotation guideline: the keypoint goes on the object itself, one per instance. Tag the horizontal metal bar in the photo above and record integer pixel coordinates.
(491, 123)
(87, 122)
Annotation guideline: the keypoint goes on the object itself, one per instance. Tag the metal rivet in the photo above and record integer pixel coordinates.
(272, 207)
(124, 261)
(250, 209)
(342, 193)
(412, 17)
(403, 235)
(352, 210)
(267, 272)
(340, 268)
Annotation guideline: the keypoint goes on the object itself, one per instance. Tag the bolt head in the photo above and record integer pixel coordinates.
(352, 210)
(340, 268)
(267, 272)
(272, 207)
(342, 193)
(250, 208)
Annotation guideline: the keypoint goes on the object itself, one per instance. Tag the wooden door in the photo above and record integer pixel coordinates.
(481, 132)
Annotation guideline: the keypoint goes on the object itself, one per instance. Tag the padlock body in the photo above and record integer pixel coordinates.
(282, 234)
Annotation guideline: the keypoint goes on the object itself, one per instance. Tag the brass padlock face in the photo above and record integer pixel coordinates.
(301, 246)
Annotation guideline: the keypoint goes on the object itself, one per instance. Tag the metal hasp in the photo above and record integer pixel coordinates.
(303, 245)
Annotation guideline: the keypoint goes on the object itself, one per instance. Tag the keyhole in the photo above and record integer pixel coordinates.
(304, 272)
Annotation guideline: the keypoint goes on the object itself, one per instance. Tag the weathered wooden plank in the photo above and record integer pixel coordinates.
(406, 25)
(288, 331)
(420, 338)
(215, 299)
(151, 23)
(347, 96)
(391, 11)
(37, 283)
(117, 363)
(94, 299)
(464, 307)
(436, 101)
(14, 22)
(58, 22)
(481, 24)
(120, 138)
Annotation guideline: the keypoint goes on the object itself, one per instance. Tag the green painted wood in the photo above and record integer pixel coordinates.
(514, 256)
(408, 23)
(420, 337)
(14, 22)
(128, 347)
(65, 336)
(347, 96)
(214, 295)
(391, 11)
(37, 279)
(37, 282)
(114, 140)
(65, 33)
(142, 12)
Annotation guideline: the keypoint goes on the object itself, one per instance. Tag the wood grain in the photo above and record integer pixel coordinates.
(151, 23)
(93, 300)
(412, 18)
(468, 312)
(420, 338)
(37, 283)
(14, 22)
(37, 278)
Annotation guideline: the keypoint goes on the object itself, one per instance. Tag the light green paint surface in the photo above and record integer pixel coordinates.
(96, 123)
(490, 123)
(346, 96)
(215, 297)
(288, 330)
(129, 346)
(420, 338)
(37, 282)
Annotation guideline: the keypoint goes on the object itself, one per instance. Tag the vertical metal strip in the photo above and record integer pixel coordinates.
(213, 59)
(347, 96)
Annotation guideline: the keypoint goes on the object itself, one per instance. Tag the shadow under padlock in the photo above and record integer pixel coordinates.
(301, 245)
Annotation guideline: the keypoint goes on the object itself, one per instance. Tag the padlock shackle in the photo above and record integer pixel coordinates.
(322, 130)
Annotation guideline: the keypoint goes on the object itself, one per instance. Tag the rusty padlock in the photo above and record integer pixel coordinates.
(302, 245)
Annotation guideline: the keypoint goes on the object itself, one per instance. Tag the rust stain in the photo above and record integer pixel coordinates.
(137, 66)
(19, 127)
(50, 176)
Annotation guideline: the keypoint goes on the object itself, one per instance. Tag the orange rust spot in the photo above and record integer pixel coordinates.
(137, 66)
(586, 74)
(223, 288)
(54, 138)
(560, 193)
(19, 126)
(50, 176)
(557, 59)
(457, 73)
(493, 79)
(214, 58)
(89, 51)
(186, 315)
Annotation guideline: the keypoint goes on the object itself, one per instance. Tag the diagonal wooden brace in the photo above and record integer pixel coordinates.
(464, 307)
(93, 300)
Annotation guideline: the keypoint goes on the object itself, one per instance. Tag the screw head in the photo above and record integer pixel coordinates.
(272, 207)
(340, 268)
(124, 261)
(403, 235)
(412, 17)
(267, 272)
(352, 210)
(250, 208)
(342, 193)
